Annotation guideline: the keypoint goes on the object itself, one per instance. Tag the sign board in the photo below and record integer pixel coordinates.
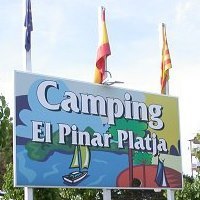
(76, 134)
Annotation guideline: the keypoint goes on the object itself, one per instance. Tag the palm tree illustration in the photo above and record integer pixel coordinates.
(138, 128)
(143, 158)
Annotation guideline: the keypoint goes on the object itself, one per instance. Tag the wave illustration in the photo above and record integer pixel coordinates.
(53, 171)
(29, 174)
(98, 181)
(100, 161)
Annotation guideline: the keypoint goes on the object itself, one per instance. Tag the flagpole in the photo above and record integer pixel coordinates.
(106, 192)
(28, 61)
(167, 88)
(102, 54)
(28, 192)
(105, 74)
(162, 31)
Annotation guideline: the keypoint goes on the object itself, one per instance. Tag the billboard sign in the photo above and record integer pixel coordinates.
(77, 134)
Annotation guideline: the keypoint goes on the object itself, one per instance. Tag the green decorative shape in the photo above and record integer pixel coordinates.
(142, 158)
(41, 151)
(137, 127)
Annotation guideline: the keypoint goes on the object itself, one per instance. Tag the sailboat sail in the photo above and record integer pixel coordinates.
(85, 156)
(81, 160)
(81, 157)
(75, 161)
(161, 178)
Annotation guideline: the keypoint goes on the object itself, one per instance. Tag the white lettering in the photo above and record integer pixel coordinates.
(122, 136)
(42, 94)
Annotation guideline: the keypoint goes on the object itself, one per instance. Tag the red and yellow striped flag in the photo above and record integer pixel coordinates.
(103, 49)
(166, 63)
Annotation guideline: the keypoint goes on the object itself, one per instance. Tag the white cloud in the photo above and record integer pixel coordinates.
(182, 10)
(187, 12)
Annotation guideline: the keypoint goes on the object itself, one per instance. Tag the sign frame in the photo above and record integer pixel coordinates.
(125, 120)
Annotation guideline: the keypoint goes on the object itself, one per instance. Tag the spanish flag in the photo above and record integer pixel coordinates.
(103, 49)
(166, 63)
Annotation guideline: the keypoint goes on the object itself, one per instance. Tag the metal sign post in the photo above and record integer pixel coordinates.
(28, 193)
(170, 194)
(106, 194)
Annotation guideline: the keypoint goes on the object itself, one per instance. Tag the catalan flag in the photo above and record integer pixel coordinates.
(166, 63)
(103, 49)
(29, 25)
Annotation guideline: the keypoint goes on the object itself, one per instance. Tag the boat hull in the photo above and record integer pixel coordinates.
(74, 177)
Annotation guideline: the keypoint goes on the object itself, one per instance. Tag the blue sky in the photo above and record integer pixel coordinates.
(65, 38)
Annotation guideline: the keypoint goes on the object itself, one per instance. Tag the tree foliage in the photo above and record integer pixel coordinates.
(5, 122)
(137, 195)
(5, 137)
(46, 193)
(137, 127)
(80, 194)
(11, 191)
(197, 150)
(191, 189)
(143, 158)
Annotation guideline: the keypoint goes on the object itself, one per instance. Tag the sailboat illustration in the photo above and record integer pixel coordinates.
(81, 160)
(161, 178)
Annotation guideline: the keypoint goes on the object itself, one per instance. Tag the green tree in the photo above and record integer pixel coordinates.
(81, 194)
(137, 195)
(46, 193)
(6, 153)
(11, 191)
(138, 128)
(5, 122)
(196, 151)
(191, 190)
(5, 137)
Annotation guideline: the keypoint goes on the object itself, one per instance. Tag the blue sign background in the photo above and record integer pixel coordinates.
(47, 164)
